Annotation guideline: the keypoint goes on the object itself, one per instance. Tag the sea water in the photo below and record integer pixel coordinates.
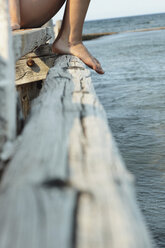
(132, 92)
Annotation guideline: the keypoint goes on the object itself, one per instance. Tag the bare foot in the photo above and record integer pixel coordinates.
(15, 26)
(60, 47)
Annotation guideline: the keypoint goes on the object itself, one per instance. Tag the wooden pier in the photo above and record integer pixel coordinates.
(63, 181)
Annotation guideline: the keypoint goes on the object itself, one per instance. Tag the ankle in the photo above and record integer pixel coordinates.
(68, 42)
(73, 43)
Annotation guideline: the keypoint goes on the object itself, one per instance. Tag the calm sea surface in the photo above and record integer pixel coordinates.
(133, 94)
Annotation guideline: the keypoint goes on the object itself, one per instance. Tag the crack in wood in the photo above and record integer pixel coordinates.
(73, 67)
(57, 183)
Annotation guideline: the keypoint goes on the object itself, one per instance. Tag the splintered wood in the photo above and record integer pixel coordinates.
(66, 185)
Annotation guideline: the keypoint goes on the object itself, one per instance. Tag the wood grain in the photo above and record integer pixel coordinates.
(42, 60)
(25, 41)
(66, 185)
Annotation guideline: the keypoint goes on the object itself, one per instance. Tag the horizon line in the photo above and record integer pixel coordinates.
(124, 16)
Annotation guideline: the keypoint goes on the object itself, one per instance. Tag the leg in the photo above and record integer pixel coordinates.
(69, 40)
(14, 8)
(35, 13)
(32, 13)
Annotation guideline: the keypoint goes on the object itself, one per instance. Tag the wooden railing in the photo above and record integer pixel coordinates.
(64, 183)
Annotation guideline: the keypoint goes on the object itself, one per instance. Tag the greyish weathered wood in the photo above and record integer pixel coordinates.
(66, 185)
(50, 24)
(27, 93)
(34, 66)
(7, 90)
(25, 41)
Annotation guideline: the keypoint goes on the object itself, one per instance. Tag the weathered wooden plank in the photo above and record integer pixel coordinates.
(37, 70)
(34, 66)
(50, 24)
(7, 90)
(25, 41)
(27, 93)
(67, 144)
(33, 217)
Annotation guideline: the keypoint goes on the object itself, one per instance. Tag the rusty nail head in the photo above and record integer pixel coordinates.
(30, 62)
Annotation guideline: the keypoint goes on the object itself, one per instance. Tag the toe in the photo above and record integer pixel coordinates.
(99, 68)
(100, 71)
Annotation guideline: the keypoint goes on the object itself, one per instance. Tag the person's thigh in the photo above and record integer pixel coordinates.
(34, 13)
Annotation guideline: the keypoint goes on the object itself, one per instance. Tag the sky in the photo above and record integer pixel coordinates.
(100, 9)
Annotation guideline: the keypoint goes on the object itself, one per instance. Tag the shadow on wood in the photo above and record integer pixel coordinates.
(66, 185)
